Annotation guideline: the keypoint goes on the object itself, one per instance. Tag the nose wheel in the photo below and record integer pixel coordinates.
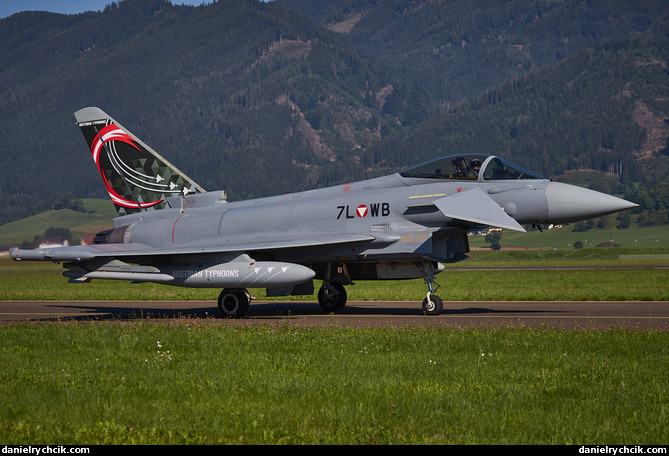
(432, 304)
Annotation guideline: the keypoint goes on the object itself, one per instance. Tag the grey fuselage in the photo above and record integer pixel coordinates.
(422, 214)
(397, 212)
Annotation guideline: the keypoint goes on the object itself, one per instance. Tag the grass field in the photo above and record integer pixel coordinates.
(644, 284)
(460, 281)
(563, 239)
(204, 381)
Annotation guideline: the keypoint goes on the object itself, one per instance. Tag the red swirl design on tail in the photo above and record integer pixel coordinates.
(108, 134)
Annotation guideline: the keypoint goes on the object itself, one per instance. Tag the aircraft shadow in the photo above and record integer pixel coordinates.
(89, 311)
(269, 311)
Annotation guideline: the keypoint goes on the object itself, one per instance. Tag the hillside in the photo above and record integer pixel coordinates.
(81, 225)
(242, 95)
(263, 98)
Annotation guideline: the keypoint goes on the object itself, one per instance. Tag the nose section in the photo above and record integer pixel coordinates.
(569, 203)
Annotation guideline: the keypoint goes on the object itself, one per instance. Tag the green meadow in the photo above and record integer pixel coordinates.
(633, 284)
(203, 381)
(584, 274)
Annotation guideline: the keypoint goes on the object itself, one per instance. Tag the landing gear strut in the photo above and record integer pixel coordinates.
(234, 303)
(432, 304)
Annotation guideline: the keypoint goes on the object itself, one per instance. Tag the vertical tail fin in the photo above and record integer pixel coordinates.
(137, 178)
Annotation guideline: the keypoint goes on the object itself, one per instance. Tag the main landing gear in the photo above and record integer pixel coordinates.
(332, 294)
(332, 297)
(234, 303)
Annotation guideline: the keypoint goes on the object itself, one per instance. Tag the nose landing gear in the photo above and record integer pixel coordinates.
(432, 304)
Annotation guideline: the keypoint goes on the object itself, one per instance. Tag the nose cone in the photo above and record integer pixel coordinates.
(569, 203)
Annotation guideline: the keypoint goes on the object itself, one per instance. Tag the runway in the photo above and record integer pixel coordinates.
(548, 314)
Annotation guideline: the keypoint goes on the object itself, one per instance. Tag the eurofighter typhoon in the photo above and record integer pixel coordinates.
(401, 226)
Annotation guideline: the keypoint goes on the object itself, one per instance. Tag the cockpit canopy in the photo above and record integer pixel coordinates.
(469, 167)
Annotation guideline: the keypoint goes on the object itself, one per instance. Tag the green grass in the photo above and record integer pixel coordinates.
(563, 239)
(43, 280)
(615, 256)
(210, 382)
(474, 285)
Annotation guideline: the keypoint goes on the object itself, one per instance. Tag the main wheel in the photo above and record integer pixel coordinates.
(434, 306)
(332, 298)
(233, 303)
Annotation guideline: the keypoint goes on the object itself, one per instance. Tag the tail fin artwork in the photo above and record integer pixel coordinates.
(136, 177)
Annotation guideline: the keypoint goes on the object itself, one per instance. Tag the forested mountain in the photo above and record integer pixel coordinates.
(602, 112)
(458, 48)
(262, 98)
(241, 95)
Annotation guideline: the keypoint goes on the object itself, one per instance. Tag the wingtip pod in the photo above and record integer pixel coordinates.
(136, 177)
(90, 114)
(51, 254)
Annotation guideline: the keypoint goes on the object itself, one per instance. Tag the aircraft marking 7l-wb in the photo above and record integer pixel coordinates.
(401, 226)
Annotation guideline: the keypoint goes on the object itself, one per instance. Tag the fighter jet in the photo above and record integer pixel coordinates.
(405, 225)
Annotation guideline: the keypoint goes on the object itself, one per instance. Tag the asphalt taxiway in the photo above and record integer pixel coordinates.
(549, 314)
